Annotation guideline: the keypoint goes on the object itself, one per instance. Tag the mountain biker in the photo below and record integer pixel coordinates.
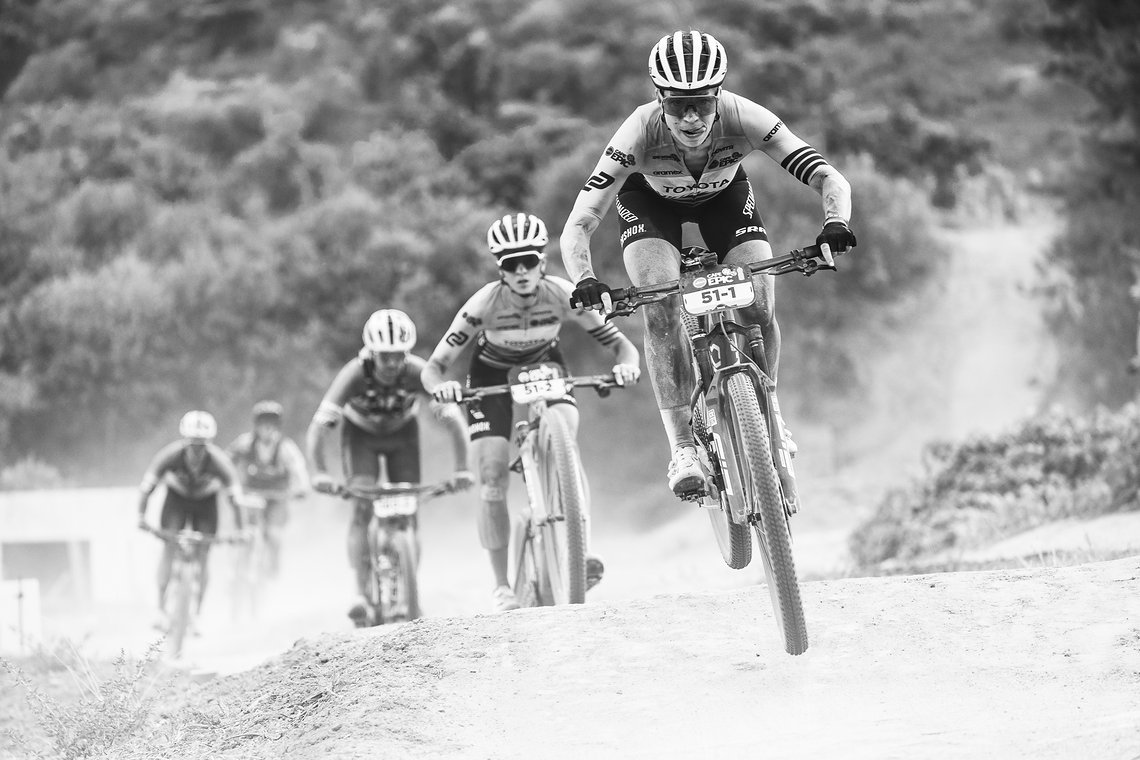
(514, 320)
(677, 159)
(194, 471)
(375, 398)
(270, 465)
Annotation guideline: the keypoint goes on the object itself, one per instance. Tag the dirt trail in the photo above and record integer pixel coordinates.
(1001, 664)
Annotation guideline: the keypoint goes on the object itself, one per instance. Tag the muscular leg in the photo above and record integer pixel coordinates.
(165, 564)
(204, 576)
(648, 262)
(763, 312)
(491, 455)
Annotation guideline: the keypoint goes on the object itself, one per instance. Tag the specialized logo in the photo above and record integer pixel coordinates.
(749, 203)
(625, 213)
(717, 185)
(751, 228)
(598, 181)
(773, 131)
(667, 172)
(624, 159)
(666, 157)
(722, 148)
(720, 163)
(473, 321)
(637, 229)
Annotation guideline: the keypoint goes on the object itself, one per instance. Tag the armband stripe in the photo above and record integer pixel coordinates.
(803, 163)
(606, 334)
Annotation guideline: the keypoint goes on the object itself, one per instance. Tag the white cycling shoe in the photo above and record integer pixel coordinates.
(685, 472)
(505, 599)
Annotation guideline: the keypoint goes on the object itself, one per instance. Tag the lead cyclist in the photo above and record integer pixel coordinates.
(677, 159)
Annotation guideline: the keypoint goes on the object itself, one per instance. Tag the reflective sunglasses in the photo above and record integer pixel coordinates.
(678, 105)
(527, 260)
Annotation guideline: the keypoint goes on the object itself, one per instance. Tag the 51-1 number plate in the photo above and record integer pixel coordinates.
(727, 288)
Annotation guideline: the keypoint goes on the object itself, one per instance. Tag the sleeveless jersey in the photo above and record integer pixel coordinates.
(172, 467)
(376, 407)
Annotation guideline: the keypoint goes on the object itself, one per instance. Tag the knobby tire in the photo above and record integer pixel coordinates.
(406, 596)
(526, 585)
(751, 431)
(564, 541)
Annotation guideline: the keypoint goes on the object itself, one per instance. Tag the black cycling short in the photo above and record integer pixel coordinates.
(493, 415)
(179, 512)
(361, 452)
(726, 220)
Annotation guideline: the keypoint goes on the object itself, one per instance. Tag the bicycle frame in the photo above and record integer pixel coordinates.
(529, 566)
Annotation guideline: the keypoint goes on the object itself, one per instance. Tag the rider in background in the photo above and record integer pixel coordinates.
(677, 159)
(514, 320)
(270, 465)
(375, 399)
(194, 471)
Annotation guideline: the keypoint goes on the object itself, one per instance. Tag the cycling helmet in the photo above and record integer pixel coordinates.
(199, 425)
(268, 411)
(516, 233)
(687, 61)
(389, 330)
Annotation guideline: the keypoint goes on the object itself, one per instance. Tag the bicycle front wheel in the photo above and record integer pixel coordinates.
(528, 590)
(564, 534)
(770, 520)
(397, 589)
(732, 538)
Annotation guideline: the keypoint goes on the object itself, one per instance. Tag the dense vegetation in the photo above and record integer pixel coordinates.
(973, 492)
(200, 203)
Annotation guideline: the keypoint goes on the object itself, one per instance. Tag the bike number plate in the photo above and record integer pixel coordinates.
(540, 382)
(396, 505)
(726, 288)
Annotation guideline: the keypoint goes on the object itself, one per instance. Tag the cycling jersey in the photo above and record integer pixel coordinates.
(172, 467)
(644, 145)
(272, 467)
(513, 330)
(376, 407)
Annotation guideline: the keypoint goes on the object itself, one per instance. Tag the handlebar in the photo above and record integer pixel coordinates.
(600, 383)
(807, 260)
(192, 536)
(375, 491)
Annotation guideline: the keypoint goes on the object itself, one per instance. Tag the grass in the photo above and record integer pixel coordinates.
(79, 708)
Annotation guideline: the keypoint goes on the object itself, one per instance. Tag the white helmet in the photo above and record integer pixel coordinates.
(197, 424)
(389, 330)
(687, 61)
(516, 232)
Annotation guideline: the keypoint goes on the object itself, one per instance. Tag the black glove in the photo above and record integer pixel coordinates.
(837, 235)
(588, 293)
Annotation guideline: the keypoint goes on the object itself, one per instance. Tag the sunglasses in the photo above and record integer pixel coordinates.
(678, 105)
(527, 260)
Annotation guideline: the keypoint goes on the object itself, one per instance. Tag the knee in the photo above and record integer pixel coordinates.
(493, 481)
(661, 321)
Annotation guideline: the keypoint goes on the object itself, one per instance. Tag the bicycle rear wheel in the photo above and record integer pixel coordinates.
(733, 539)
(182, 600)
(755, 460)
(396, 582)
(564, 534)
(526, 582)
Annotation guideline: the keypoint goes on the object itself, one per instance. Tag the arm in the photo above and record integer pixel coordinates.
(228, 474)
(295, 465)
(596, 197)
(327, 417)
(152, 476)
(767, 133)
(627, 359)
(464, 327)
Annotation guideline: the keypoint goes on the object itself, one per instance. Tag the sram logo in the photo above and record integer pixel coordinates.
(751, 228)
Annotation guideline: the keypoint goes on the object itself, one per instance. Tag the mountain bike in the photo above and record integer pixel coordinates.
(393, 547)
(736, 418)
(185, 579)
(549, 538)
(251, 567)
